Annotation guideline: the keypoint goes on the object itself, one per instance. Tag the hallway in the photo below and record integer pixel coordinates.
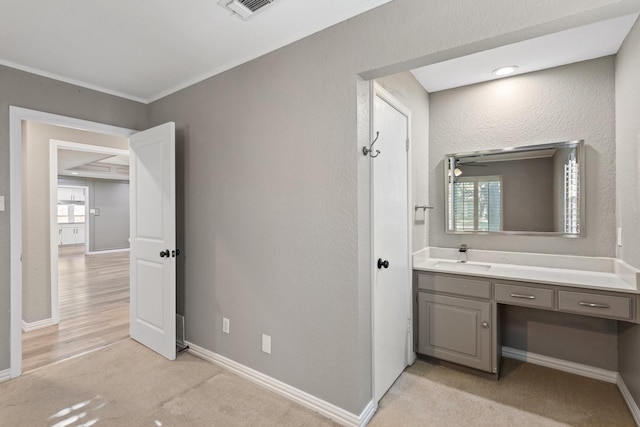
(94, 308)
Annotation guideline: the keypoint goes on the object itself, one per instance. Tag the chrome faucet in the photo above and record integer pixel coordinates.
(463, 249)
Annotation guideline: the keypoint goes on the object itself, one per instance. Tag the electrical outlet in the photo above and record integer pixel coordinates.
(225, 325)
(266, 343)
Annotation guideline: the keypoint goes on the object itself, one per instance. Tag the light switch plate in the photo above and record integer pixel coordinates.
(1, 203)
(266, 343)
(619, 236)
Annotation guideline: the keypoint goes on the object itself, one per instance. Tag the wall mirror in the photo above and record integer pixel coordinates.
(535, 189)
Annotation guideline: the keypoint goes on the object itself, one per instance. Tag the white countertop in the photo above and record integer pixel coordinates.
(618, 279)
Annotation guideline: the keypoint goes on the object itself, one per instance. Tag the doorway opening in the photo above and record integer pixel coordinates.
(89, 223)
(44, 307)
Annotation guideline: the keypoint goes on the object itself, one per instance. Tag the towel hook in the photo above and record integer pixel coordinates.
(368, 150)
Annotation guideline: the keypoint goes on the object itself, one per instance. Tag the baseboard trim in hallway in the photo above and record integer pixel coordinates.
(33, 326)
(5, 375)
(305, 399)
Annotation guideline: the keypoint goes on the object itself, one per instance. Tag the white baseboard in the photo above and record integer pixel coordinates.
(44, 323)
(368, 413)
(5, 375)
(327, 409)
(108, 251)
(561, 365)
(631, 404)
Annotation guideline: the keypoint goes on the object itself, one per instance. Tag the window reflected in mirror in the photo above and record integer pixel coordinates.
(522, 190)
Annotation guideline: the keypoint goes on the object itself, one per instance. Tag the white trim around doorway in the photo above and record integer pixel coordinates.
(16, 116)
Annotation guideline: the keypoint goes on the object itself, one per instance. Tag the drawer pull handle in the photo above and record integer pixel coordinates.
(523, 296)
(593, 304)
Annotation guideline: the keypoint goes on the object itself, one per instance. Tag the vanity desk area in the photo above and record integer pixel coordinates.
(456, 303)
(461, 293)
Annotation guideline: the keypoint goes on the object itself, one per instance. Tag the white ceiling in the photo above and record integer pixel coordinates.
(146, 49)
(566, 47)
(92, 165)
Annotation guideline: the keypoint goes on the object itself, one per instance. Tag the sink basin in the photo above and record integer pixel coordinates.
(463, 266)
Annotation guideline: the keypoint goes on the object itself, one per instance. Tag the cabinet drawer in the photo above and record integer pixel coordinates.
(614, 307)
(524, 295)
(455, 285)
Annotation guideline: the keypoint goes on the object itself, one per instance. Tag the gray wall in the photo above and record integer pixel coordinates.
(275, 229)
(581, 339)
(110, 229)
(571, 102)
(36, 247)
(406, 89)
(628, 189)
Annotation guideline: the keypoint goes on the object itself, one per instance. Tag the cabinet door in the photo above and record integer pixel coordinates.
(455, 329)
(67, 235)
(80, 234)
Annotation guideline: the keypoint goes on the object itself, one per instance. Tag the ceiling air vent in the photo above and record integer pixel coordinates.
(244, 8)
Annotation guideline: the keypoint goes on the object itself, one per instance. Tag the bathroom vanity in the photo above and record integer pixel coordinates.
(457, 304)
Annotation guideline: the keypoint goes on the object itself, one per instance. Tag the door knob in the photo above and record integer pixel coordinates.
(164, 253)
(382, 263)
(175, 253)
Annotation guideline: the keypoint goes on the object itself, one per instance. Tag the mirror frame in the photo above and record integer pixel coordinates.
(580, 156)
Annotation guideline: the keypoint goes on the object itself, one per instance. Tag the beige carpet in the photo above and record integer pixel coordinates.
(526, 395)
(129, 385)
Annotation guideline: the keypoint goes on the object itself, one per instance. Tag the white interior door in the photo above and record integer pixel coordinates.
(153, 239)
(391, 293)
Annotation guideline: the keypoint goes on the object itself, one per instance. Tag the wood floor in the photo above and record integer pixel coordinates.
(94, 308)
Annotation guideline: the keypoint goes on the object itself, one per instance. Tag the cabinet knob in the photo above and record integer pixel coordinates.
(485, 325)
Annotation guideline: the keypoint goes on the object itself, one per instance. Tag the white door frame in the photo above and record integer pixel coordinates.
(377, 90)
(16, 116)
(54, 145)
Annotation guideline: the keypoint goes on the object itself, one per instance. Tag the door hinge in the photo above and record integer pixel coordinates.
(407, 144)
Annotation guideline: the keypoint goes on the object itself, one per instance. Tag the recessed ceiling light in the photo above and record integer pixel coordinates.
(503, 71)
(75, 173)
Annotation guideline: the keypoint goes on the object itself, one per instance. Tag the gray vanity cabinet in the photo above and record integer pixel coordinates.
(455, 319)
(456, 316)
(455, 329)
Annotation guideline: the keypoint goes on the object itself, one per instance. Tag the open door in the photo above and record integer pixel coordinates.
(153, 239)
